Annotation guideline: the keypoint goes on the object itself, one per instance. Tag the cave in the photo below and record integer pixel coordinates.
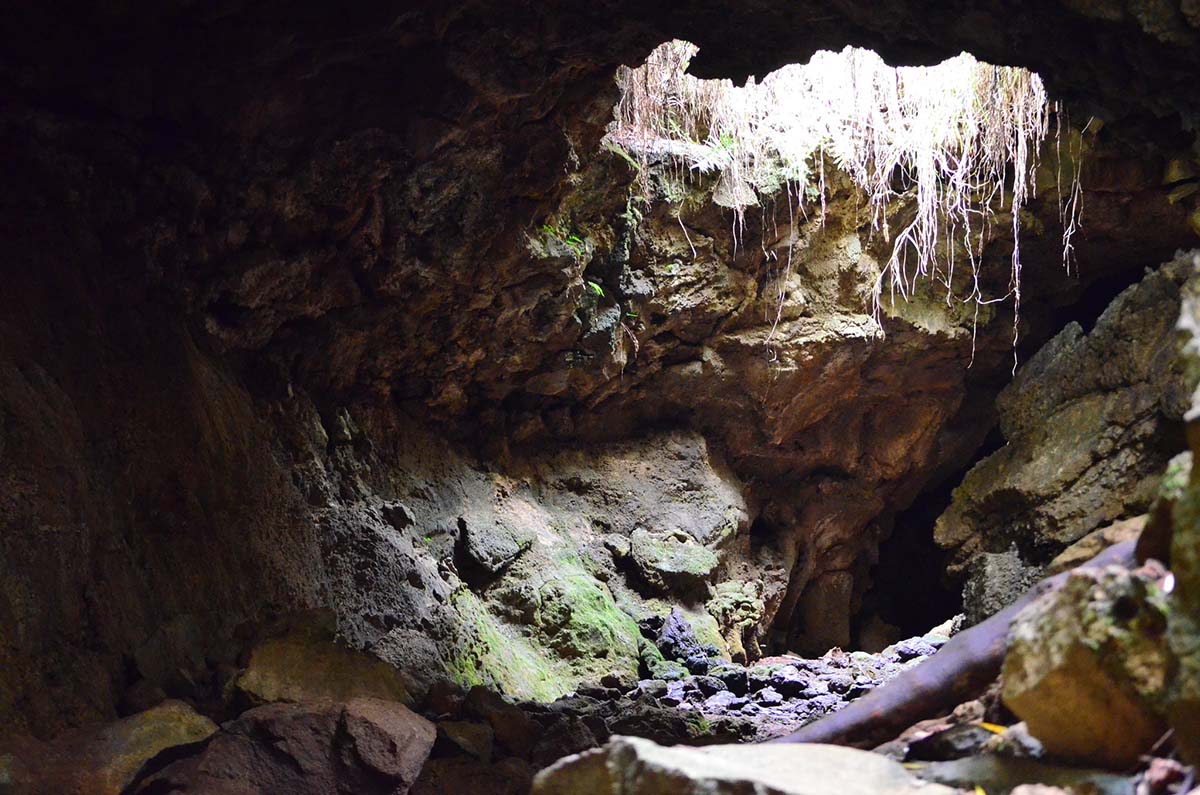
(437, 398)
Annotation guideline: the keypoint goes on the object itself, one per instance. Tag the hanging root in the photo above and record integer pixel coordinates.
(959, 136)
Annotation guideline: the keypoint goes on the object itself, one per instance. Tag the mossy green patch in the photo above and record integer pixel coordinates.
(498, 656)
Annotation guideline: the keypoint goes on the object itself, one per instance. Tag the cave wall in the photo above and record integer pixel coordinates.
(250, 250)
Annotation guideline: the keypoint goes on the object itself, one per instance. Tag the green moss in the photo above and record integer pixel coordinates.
(578, 618)
(498, 656)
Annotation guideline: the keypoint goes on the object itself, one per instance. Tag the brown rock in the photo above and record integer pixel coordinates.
(104, 761)
(1087, 664)
(366, 746)
(305, 666)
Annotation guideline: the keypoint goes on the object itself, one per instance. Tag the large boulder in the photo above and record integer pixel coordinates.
(1091, 421)
(633, 766)
(307, 665)
(672, 561)
(1087, 666)
(101, 761)
(366, 746)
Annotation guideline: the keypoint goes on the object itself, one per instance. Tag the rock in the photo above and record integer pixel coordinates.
(461, 775)
(473, 739)
(1086, 666)
(954, 742)
(738, 608)
(365, 746)
(1017, 742)
(672, 561)
(1183, 707)
(677, 640)
(724, 701)
(768, 697)
(1095, 542)
(708, 685)
(994, 581)
(668, 671)
(733, 676)
(513, 729)
(633, 766)
(491, 544)
(1155, 540)
(999, 775)
(661, 724)
(1088, 421)
(105, 760)
(568, 735)
(304, 665)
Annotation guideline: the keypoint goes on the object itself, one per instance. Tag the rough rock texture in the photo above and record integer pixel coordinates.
(282, 329)
(632, 766)
(1184, 625)
(305, 666)
(1091, 421)
(1087, 665)
(365, 746)
(102, 761)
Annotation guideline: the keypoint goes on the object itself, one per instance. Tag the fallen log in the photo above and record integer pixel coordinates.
(960, 671)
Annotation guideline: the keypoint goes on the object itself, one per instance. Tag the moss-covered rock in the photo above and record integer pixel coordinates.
(738, 608)
(672, 561)
(1087, 665)
(578, 618)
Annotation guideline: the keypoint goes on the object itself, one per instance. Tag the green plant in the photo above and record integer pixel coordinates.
(573, 242)
(595, 288)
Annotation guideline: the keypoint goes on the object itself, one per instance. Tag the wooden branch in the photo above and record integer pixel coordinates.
(958, 672)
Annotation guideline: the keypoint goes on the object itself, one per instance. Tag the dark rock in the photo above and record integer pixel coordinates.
(768, 697)
(465, 775)
(652, 687)
(840, 683)
(734, 677)
(789, 681)
(965, 739)
(568, 735)
(709, 685)
(724, 701)
(469, 737)
(677, 640)
(514, 729)
(911, 649)
(365, 746)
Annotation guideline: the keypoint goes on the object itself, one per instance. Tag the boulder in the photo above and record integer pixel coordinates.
(1096, 542)
(469, 737)
(633, 766)
(493, 544)
(1090, 422)
(106, 760)
(366, 746)
(672, 561)
(994, 581)
(1087, 664)
(305, 665)
(461, 775)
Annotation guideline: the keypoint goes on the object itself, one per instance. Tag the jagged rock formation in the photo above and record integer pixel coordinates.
(1090, 423)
